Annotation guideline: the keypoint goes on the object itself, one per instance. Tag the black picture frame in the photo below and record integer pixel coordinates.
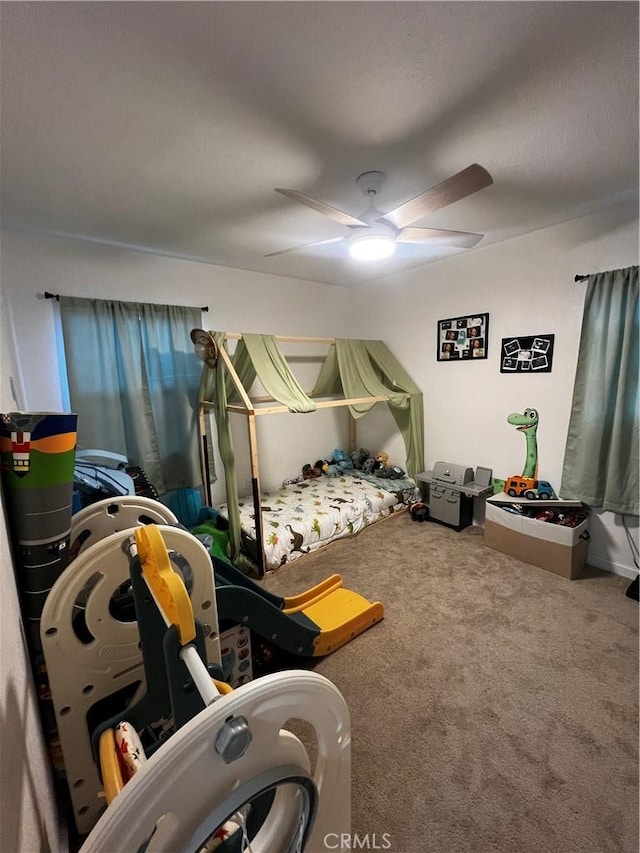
(527, 354)
(463, 338)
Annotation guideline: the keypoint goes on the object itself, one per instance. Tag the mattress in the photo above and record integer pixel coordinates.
(302, 517)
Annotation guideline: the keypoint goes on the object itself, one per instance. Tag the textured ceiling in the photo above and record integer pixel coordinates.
(166, 126)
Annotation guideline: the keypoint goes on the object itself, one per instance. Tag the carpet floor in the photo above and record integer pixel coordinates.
(495, 709)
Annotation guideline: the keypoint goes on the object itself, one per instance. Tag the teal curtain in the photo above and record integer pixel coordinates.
(133, 381)
(601, 456)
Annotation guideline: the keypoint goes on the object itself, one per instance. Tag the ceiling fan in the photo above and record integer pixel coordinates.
(374, 234)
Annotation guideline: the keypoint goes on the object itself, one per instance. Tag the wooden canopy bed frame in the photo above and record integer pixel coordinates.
(253, 407)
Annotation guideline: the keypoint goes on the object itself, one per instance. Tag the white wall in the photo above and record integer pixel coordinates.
(527, 286)
(29, 816)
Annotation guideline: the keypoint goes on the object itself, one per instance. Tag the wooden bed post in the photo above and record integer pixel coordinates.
(352, 432)
(204, 456)
(255, 485)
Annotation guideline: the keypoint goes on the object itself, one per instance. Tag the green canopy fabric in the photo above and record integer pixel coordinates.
(271, 368)
(410, 419)
(354, 368)
(350, 368)
(213, 389)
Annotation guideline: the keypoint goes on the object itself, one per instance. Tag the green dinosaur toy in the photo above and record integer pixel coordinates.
(528, 424)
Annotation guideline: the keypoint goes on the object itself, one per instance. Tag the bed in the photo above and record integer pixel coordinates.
(302, 517)
(353, 374)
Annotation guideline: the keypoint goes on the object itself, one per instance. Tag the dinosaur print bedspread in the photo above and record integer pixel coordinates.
(303, 517)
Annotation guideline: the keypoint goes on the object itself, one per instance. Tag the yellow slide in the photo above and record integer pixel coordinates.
(341, 615)
(310, 624)
(296, 603)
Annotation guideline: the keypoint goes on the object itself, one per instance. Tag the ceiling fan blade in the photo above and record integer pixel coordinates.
(458, 186)
(461, 239)
(338, 216)
(304, 246)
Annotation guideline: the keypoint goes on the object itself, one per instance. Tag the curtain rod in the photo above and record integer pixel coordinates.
(56, 296)
(580, 277)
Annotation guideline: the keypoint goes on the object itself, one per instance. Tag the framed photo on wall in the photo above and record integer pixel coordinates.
(527, 354)
(463, 338)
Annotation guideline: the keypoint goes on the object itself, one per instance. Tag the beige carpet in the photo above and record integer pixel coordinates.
(496, 706)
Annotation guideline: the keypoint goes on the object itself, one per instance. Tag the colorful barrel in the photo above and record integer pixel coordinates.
(37, 458)
(37, 452)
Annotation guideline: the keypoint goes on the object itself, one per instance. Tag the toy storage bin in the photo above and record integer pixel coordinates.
(558, 549)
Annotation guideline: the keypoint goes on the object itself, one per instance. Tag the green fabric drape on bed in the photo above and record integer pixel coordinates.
(410, 419)
(269, 365)
(213, 389)
(350, 368)
(255, 356)
(355, 368)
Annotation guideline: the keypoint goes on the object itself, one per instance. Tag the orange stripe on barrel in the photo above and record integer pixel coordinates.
(55, 443)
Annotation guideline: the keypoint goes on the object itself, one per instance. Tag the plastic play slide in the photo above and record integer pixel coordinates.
(313, 623)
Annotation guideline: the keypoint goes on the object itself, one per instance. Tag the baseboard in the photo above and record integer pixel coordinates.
(610, 566)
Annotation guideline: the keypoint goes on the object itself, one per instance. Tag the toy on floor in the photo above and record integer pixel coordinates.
(311, 624)
(419, 511)
(232, 767)
(94, 655)
(93, 644)
(527, 485)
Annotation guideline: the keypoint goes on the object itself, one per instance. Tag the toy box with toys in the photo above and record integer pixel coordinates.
(550, 535)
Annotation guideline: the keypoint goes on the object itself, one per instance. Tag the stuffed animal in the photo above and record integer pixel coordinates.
(391, 472)
(290, 481)
(331, 470)
(382, 460)
(342, 459)
(310, 472)
(368, 465)
(359, 457)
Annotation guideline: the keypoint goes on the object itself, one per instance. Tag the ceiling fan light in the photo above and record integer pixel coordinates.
(372, 247)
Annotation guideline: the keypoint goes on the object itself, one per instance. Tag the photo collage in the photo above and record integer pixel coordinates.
(462, 338)
(530, 354)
